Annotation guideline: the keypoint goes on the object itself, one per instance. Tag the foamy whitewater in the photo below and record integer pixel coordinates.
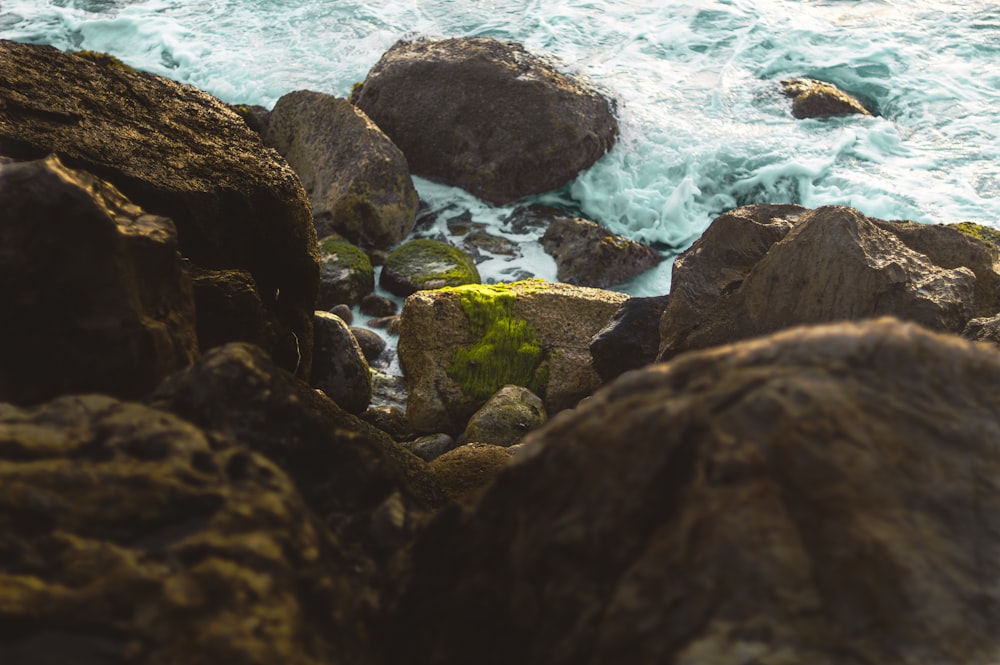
(704, 127)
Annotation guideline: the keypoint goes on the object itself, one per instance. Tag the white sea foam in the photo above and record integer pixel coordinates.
(704, 125)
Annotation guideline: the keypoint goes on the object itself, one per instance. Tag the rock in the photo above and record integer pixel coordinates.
(343, 312)
(487, 116)
(430, 446)
(459, 346)
(466, 471)
(378, 306)
(92, 293)
(129, 535)
(389, 419)
(346, 274)
(371, 343)
(345, 468)
(177, 152)
(505, 417)
(587, 254)
(822, 495)
(257, 117)
(985, 329)
(631, 339)
(229, 308)
(816, 99)
(339, 366)
(763, 268)
(357, 180)
(389, 323)
(426, 264)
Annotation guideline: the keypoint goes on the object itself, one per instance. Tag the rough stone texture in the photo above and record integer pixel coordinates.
(346, 274)
(826, 495)
(430, 446)
(816, 99)
(376, 305)
(587, 254)
(92, 294)
(345, 468)
(340, 369)
(357, 180)
(426, 264)
(487, 116)
(371, 343)
(631, 339)
(762, 268)
(229, 308)
(128, 535)
(983, 330)
(178, 152)
(466, 471)
(257, 117)
(434, 326)
(506, 417)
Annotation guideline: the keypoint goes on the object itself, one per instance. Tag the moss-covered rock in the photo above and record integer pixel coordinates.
(978, 231)
(426, 264)
(346, 273)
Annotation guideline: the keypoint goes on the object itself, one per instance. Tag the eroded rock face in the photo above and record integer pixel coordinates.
(486, 116)
(763, 268)
(178, 152)
(817, 99)
(129, 535)
(823, 495)
(92, 294)
(459, 346)
(587, 254)
(358, 181)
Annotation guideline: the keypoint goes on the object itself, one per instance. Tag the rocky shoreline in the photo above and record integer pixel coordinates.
(792, 457)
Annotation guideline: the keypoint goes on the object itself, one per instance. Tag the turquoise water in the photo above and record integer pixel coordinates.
(704, 126)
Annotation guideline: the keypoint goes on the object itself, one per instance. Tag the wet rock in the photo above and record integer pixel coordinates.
(487, 116)
(816, 99)
(823, 495)
(343, 312)
(506, 417)
(631, 339)
(376, 305)
(390, 419)
(177, 152)
(388, 323)
(371, 343)
(340, 369)
(93, 297)
(426, 264)
(459, 346)
(129, 535)
(466, 471)
(763, 268)
(346, 274)
(587, 254)
(430, 446)
(357, 180)
(229, 308)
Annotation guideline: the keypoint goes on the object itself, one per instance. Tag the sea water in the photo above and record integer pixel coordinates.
(704, 126)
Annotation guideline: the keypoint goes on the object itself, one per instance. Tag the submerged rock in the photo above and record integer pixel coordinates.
(487, 116)
(587, 254)
(426, 264)
(824, 495)
(817, 99)
(93, 297)
(174, 151)
(358, 182)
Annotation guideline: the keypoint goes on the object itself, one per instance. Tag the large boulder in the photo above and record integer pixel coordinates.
(487, 116)
(128, 535)
(459, 346)
(178, 152)
(762, 268)
(93, 297)
(587, 254)
(825, 495)
(357, 180)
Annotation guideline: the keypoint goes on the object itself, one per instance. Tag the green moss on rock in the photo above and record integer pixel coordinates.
(427, 264)
(979, 231)
(507, 349)
(105, 60)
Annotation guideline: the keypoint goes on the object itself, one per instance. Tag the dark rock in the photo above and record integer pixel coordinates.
(376, 305)
(339, 366)
(343, 312)
(178, 152)
(631, 339)
(128, 535)
(229, 308)
(257, 117)
(487, 116)
(824, 495)
(92, 294)
(763, 268)
(389, 323)
(371, 343)
(466, 471)
(587, 254)
(985, 329)
(816, 99)
(346, 273)
(430, 446)
(357, 180)
(426, 264)
(389, 419)
(506, 417)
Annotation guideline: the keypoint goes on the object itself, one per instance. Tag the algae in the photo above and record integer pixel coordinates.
(105, 60)
(425, 261)
(979, 232)
(507, 349)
